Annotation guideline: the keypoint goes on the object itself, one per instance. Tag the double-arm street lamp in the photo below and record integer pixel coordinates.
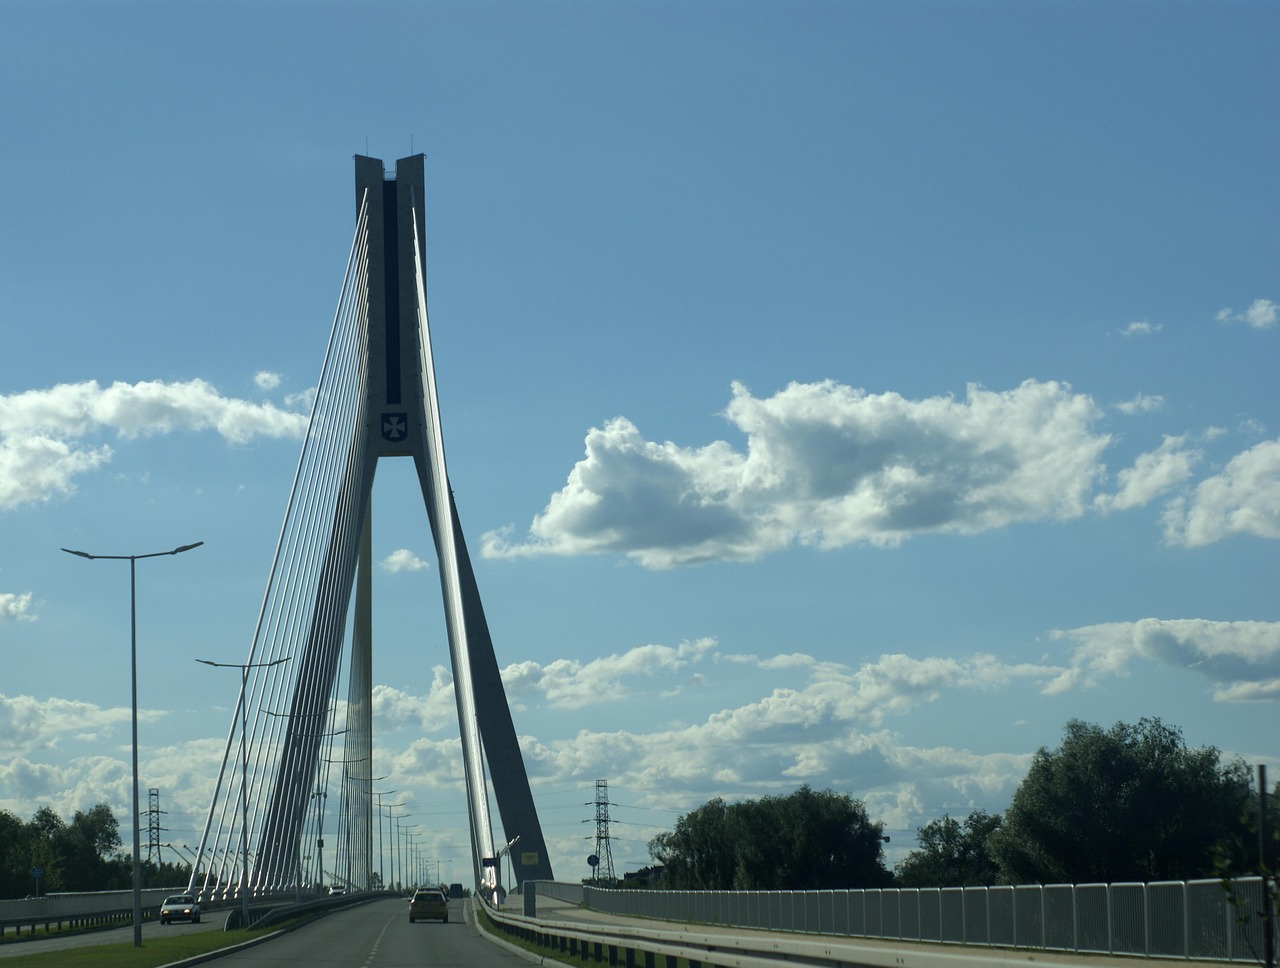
(382, 870)
(244, 668)
(133, 675)
(399, 843)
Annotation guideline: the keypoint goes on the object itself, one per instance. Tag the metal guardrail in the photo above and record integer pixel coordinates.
(78, 909)
(703, 946)
(1177, 919)
(101, 908)
(618, 945)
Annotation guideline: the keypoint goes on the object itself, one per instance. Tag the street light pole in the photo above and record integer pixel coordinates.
(382, 870)
(323, 796)
(133, 676)
(400, 843)
(244, 668)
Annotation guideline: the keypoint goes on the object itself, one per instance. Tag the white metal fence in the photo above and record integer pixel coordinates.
(1173, 919)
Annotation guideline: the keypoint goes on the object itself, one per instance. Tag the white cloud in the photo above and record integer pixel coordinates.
(44, 434)
(827, 729)
(77, 784)
(36, 468)
(185, 774)
(266, 380)
(1142, 328)
(303, 400)
(573, 684)
(1243, 499)
(393, 708)
(14, 607)
(1151, 475)
(826, 725)
(1241, 658)
(403, 559)
(1261, 314)
(28, 724)
(825, 465)
(1142, 403)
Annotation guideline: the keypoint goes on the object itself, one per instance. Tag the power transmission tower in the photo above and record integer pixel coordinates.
(603, 853)
(153, 823)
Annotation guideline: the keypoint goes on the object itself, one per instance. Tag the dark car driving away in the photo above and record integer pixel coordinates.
(428, 903)
(180, 907)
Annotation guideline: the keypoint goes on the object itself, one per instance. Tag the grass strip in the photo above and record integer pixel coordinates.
(154, 952)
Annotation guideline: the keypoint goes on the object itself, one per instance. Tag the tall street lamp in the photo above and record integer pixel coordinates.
(382, 870)
(398, 846)
(133, 675)
(324, 799)
(244, 668)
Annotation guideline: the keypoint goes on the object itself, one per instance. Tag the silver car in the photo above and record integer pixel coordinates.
(180, 907)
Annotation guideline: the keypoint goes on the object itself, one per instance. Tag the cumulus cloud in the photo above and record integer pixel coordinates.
(394, 708)
(47, 436)
(28, 724)
(825, 465)
(1242, 659)
(14, 607)
(827, 726)
(266, 380)
(402, 559)
(1143, 328)
(572, 684)
(185, 772)
(1243, 499)
(822, 721)
(1261, 314)
(1151, 475)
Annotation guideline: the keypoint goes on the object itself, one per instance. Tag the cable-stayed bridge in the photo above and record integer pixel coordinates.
(376, 398)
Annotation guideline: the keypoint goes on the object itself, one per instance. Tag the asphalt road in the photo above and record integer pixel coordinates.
(378, 935)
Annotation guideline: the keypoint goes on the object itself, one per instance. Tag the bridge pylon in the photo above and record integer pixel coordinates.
(376, 398)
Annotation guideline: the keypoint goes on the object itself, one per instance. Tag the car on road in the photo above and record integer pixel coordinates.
(428, 903)
(180, 907)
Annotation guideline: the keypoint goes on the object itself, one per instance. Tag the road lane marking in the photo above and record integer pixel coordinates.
(373, 952)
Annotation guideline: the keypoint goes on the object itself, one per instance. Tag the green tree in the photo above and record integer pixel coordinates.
(84, 848)
(698, 854)
(952, 854)
(15, 869)
(40, 846)
(806, 840)
(1132, 803)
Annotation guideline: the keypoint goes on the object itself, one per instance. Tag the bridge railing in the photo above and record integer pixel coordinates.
(87, 907)
(1172, 919)
(83, 902)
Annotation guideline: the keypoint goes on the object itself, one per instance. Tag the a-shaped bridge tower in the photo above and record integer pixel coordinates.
(376, 398)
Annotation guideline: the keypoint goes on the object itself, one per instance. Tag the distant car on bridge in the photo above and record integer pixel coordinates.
(180, 907)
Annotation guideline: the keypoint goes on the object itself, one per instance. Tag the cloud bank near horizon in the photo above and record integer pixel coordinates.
(841, 725)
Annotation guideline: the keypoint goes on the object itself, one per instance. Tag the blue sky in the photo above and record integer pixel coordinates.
(834, 393)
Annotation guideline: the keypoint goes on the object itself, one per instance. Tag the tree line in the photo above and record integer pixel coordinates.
(1130, 803)
(82, 854)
